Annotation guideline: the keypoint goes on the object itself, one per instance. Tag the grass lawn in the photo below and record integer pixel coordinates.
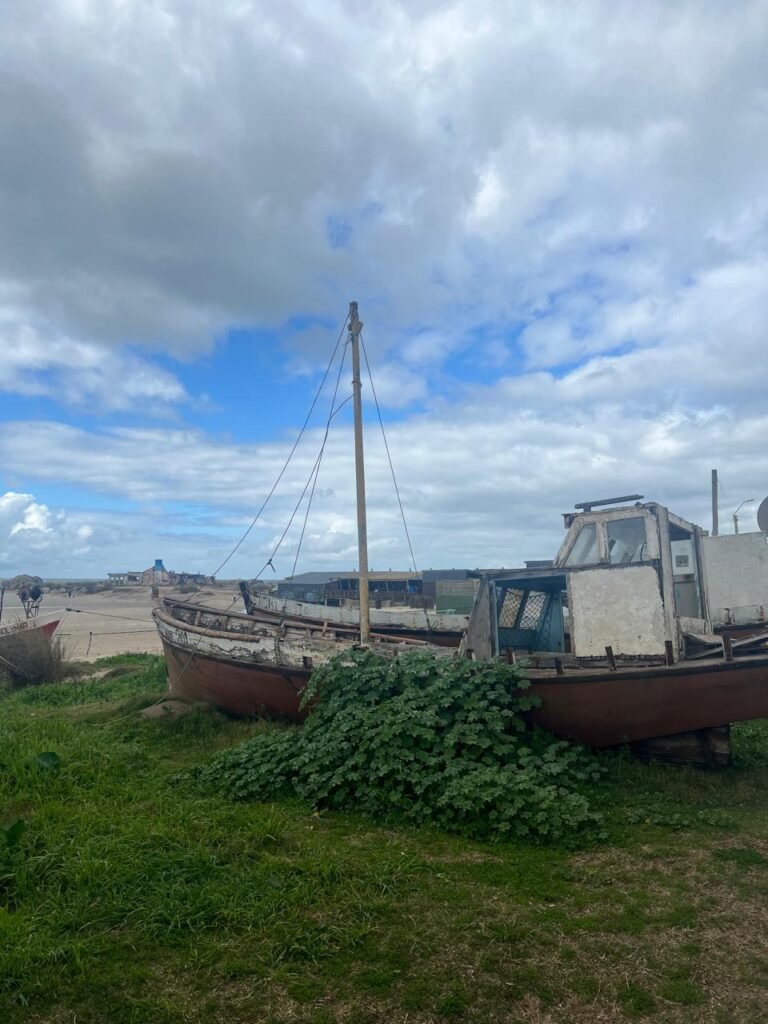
(133, 897)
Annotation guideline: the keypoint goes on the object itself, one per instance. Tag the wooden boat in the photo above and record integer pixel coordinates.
(606, 708)
(259, 663)
(617, 639)
(27, 627)
(440, 628)
(248, 665)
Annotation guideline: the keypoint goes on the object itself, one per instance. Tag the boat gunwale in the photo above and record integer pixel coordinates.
(24, 625)
(607, 675)
(268, 668)
(330, 634)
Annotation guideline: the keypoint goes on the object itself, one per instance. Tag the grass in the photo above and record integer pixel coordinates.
(133, 897)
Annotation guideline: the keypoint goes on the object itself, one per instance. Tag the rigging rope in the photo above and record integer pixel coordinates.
(106, 615)
(266, 501)
(332, 412)
(391, 467)
(269, 561)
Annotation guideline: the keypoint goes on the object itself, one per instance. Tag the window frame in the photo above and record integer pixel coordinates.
(603, 554)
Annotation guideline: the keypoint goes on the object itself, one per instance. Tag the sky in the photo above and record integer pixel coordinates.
(554, 217)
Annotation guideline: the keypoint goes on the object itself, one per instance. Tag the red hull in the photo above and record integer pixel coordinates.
(246, 690)
(609, 708)
(599, 709)
(47, 629)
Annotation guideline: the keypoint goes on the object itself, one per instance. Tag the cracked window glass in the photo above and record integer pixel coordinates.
(626, 541)
(584, 550)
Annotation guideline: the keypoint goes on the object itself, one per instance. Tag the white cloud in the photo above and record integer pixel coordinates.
(171, 168)
(33, 536)
(541, 185)
(42, 362)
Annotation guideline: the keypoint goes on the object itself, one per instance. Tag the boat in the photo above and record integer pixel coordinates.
(30, 593)
(249, 665)
(29, 628)
(616, 636)
(445, 629)
(258, 663)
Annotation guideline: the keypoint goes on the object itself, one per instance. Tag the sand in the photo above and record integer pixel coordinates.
(113, 622)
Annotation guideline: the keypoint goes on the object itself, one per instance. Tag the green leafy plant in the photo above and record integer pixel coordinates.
(423, 739)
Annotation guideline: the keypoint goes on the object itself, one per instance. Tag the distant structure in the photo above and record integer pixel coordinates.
(156, 575)
(442, 589)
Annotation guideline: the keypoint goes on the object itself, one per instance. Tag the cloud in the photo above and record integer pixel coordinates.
(171, 170)
(32, 535)
(482, 481)
(555, 218)
(42, 362)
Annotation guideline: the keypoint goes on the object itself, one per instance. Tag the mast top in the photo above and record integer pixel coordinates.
(355, 323)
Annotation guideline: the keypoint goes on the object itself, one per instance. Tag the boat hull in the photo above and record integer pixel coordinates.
(47, 629)
(245, 690)
(258, 668)
(607, 709)
(247, 666)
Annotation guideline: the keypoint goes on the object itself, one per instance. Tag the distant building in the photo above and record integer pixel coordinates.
(444, 589)
(335, 587)
(122, 579)
(156, 574)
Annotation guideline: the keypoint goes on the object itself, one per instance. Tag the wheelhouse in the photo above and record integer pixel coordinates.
(627, 579)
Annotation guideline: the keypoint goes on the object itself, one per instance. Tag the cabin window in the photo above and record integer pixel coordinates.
(584, 550)
(510, 608)
(626, 540)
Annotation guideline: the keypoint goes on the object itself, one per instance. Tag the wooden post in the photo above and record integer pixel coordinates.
(727, 648)
(715, 511)
(355, 326)
(611, 659)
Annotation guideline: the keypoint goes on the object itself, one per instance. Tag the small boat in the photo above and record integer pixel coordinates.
(616, 636)
(248, 665)
(442, 628)
(259, 662)
(28, 628)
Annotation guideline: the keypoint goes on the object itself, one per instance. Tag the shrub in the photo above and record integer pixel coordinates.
(428, 740)
(28, 657)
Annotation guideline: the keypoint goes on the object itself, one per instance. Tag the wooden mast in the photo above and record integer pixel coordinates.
(355, 326)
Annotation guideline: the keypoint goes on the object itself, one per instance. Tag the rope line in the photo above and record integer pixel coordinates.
(391, 468)
(312, 475)
(106, 615)
(111, 632)
(266, 501)
(331, 414)
(269, 561)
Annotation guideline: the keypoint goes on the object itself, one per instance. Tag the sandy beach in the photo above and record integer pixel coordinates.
(115, 621)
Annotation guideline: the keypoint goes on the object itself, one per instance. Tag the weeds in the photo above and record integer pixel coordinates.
(425, 740)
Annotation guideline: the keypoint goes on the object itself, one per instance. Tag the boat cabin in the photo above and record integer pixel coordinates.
(627, 582)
